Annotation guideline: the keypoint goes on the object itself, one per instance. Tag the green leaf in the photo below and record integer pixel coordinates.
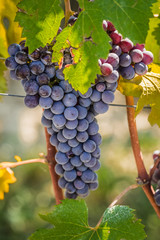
(147, 88)
(153, 37)
(3, 85)
(130, 18)
(123, 224)
(40, 21)
(70, 221)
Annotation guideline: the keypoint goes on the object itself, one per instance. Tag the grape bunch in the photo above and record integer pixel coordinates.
(74, 132)
(156, 177)
(124, 57)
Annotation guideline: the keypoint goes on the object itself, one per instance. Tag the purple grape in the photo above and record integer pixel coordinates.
(22, 71)
(48, 114)
(63, 147)
(71, 113)
(96, 96)
(61, 158)
(70, 176)
(75, 161)
(107, 96)
(106, 69)
(85, 157)
(113, 59)
(13, 49)
(60, 137)
(87, 94)
(73, 142)
(45, 102)
(140, 68)
(84, 102)
(46, 58)
(89, 146)
(62, 182)
(59, 169)
(100, 87)
(50, 71)
(68, 166)
(93, 186)
(77, 150)
(100, 107)
(125, 60)
(11, 63)
(136, 55)
(37, 67)
(113, 77)
(79, 184)
(59, 121)
(31, 87)
(53, 140)
(87, 176)
(116, 49)
(66, 86)
(45, 122)
(42, 79)
(82, 112)
(21, 57)
(82, 136)
(31, 101)
(70, 188)
(57, 107)
(69, 133)
(127, 72)
(69, 100)
(72, 124)
(57, 93)
(45, 91)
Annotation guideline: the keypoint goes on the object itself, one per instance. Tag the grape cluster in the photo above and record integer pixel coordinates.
(156, 177)
(124, 58)
(74, 132)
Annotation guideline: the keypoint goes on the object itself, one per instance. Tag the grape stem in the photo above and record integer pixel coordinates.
(68, 11)
(16, 164)
(51, 151)
(142, 173)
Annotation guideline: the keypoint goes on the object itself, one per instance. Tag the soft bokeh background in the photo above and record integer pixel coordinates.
(21, 134)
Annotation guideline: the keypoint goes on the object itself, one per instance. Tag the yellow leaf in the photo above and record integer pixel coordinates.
(10, 32)
(6, 177)
(154, 68)
(17, 158)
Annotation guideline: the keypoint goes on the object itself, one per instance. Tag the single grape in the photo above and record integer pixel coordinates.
(111, 86)
(93, 128)
(31, 101)
(45, 102)
(93, 186)
(60, 137)
(53, 140)
(77, 150)
(107, 96)
(140, 68)
(100, 87)
(61, 158)
(48, 114)
(13, 49)
(70, 195)
(89, 146)
(70, 176)
(31, 87)
(110, 26)
(68, 166)
(57, 93)
(82, 112)
(46, 58)
(113, 59)
(84, 102)
(147, 57)
(81, 169)
(126, 45)
(85, 157)
(45, 91)
(63, 147)
(91, 163)
(21, 57)
(59, 74)
(59, 121)
(75, 161)
(96, 96)
(82, 136)
(54, 128)
(72, 124)
(79, 184)
(113, 77)
(59, 169)
(127, 72)
(116, 37)
(71, 113)
(62, 182)
(125, 60)
(106, 69)
(34, 56)
(66, 86)
(22, 71)
(42, 79)
(69, 133)
(97, 152)
(57, 107)
(100, 107)
(83, 191)
(116, 49)
(96, 138)
(50, 131)
(45, 122)
(69, 100)
(37, 67)
(10, 63)
(82, 125)
(96, 167)
(90, 117)
(136, 55)
(70, 188)
(87, 176)
(87, 94)
(50, 71)
(13, 75)
(73, 142)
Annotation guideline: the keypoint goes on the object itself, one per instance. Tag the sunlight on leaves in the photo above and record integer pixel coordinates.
(6, 177)
(70, 221)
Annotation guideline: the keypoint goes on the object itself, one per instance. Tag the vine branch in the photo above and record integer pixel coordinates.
(16, 164)
(51, 151)
(142, 173)
(68, 11)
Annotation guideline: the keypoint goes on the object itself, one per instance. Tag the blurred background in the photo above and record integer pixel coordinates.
(21, 134)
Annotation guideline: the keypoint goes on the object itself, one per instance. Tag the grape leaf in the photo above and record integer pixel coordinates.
(126, 15)
(123, 224)
(153, 37)
(40, 21)
(147, 88)
(70, 221)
